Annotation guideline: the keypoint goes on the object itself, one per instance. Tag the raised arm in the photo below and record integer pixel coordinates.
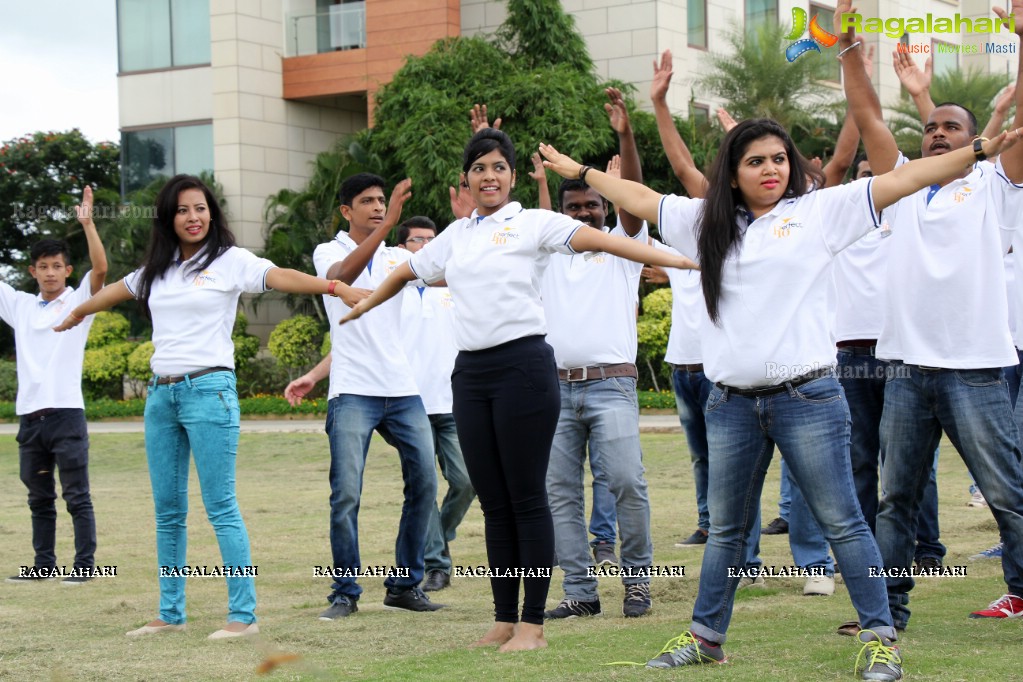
(631, 169)
(352, 266)
(1012, 159)
(394, 283)
(1002, 104)
(539, 176)
(295, 282)
(106, 298)
(681, 160)
(916, 82)
(637, 199)
(97, 254)
(879, 142)
(845, 152)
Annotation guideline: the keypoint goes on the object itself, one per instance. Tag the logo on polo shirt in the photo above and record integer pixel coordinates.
(391, 265)
(446, 301)
(502, 235)
(203, 278)
(785, 226)
(597, 257)
(962, 194)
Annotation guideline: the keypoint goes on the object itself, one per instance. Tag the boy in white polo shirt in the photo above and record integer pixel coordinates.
(426, 331)
(371, 387)
(52, 434)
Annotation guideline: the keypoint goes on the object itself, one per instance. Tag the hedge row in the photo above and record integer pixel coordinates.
(269, 405)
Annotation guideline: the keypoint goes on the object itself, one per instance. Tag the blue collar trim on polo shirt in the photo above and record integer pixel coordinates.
(420, 290)
(931, 192)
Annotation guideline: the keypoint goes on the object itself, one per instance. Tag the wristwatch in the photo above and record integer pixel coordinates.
(978, 148)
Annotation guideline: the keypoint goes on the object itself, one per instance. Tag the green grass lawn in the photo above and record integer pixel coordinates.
(50, 631)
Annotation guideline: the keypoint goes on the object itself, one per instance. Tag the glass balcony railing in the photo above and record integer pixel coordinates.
(343, 27)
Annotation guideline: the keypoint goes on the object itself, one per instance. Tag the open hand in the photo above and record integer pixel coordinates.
(401, 193)
(614, 166)
(355, 313)
(539, 173)
(70, 322)
(559, 163)
(83, 211)
(616, 111)
(725, 119)
(298, 389)
(662, 77)
(351, 296)
(462, 203)
(478, 119)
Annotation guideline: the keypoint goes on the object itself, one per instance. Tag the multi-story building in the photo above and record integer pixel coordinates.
(254, 89)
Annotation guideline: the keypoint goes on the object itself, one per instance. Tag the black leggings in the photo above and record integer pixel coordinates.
(506, 405)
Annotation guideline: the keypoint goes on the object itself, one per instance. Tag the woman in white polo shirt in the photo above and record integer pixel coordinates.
(765, 241)
(505, 381)
(189, 285)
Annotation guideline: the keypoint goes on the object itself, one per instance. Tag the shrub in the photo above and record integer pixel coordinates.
(106, 329)
(246, 346)
(262, 375)
(103, 370)
(8, 380)
(652, 333)
(295, 342)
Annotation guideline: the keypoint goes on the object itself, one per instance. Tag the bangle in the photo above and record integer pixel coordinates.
(332, 286)
(583, 170)
(851, 47)
(71, 314)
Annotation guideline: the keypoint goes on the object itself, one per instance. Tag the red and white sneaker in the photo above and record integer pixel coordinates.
(1007, 606)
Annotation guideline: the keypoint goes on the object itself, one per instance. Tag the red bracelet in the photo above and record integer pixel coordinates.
(71, 314)
(331, 286)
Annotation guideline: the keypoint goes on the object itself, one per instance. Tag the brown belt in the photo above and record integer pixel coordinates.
(689, 368)
(178, 378)
(625, 369)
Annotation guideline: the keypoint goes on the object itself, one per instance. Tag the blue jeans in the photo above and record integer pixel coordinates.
(603, 519)
(444, 521)
(403, 423)
(863, 378)
(809, 548)
(784, 497)
(810, 424)
(928, 532)
(604, 413)
(691, 391)
(972, 406)
(198, 415)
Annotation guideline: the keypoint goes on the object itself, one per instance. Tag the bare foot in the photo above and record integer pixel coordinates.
(496, 636)
(527, 637)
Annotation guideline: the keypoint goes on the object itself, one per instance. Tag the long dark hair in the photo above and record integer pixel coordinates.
(163, 241)
(718, 233)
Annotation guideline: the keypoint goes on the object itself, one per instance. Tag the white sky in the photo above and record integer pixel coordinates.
(59, 60)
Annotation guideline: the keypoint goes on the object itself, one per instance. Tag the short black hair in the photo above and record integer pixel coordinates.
(45, 248)
(419, 221)
(574, 185)
(486, 141)
(969, 114)
(354, 185)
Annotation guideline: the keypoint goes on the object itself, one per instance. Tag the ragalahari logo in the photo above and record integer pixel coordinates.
(818, 36)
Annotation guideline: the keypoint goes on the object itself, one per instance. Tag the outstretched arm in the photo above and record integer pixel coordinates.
(845, 151)
(352, 266)
(630, 249)
(394, 283)
(106, 298)
(678, 154)
(295, 282)
(637, 199)
(97, 254)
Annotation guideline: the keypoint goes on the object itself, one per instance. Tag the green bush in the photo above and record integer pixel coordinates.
(296, 342)
(138, 362)
(262, 376)
(652, 333)
(246, 346)
(8, 380)
(106, 329)
(103, 370)
(325, 346)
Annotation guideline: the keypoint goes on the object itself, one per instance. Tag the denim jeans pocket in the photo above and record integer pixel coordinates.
(627, 387)
(716, 398)
(819, 391)
(218, 382)
(990, 376)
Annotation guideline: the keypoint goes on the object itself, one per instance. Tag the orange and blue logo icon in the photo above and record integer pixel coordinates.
(818, 36)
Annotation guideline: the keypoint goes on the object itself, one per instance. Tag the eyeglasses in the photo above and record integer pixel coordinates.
(419, 240)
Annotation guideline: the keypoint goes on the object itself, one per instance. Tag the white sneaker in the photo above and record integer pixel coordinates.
(819, 586)
(977, 500)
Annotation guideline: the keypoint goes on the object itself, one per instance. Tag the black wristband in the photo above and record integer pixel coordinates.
(583, 171)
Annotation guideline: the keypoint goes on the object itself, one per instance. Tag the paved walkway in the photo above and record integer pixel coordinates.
(648, 423)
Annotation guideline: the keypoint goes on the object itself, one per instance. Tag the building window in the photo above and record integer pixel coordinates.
(162, 34)
(700, 113)
(828, 67)
(697, 27)
(759, 12)
(153, 152)
(943, 61)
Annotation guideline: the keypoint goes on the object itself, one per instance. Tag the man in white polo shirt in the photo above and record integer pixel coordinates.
(52, 434)
(430, 346)
(590, 304)
(371, 387)
(946, 333)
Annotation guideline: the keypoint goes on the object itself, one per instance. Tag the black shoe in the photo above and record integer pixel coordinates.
(570, 608)
(436, 580)
(928, 563)
(637, 600)
(604, 554)
(412, 599)
(33, 575)
(341, 608)
(699, 537)
(777, 527)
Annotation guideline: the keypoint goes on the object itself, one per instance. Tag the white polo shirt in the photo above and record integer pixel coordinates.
(1012, 293)
(49, 363)
(860, 275)
(367, 356)
(589, 300)
(194, 311)
(427, 332)
(775, 305)
(688, 313)
(493, 268)
(946, 280)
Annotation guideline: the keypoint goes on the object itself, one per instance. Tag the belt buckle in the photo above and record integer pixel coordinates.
(582, 378)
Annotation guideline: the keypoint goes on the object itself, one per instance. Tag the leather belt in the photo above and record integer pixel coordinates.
(39, 414)
(859, 346)
(689, 368)
(625, 369)
(178, 378)
(777, 388)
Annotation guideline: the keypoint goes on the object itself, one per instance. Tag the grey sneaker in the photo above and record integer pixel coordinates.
(878, 658)
(341, 608)
(750, 581)
(413, 599)
(637, 600)
(699, 537)
(571, 608)
(687, 649)
(604, 554)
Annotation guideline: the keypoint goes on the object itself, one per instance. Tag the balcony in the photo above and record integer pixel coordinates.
(341, 28)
